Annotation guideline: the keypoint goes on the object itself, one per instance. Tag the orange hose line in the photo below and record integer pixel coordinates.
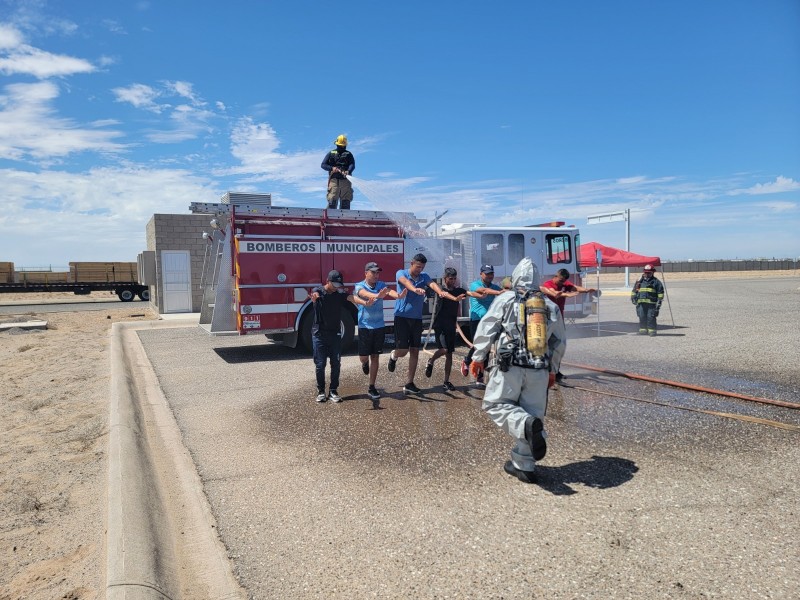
(747, 418)
(687, 386)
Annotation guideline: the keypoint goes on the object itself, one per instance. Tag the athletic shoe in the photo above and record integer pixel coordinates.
(429, 369)
(464, 368)
(448, 387)
(479, 381)
(335, 397)
(373, 393)
(533, 434)
(560, 377)
(365, 367)
(523, 476)
(321, 398)
(392, 364)
(410, 388)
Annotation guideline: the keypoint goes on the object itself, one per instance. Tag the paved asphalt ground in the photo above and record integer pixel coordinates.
(635, 500)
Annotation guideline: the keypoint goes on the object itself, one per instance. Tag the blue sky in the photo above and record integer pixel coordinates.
(517, 112)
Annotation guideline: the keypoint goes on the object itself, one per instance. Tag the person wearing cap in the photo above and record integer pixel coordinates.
(339, 164)
(326, 331)
(481, 294)
(647, 296)
(559, 288)
(444, 326)
(408, 317)
(371, 324)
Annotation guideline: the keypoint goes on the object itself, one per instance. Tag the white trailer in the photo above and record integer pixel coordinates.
(551, 246)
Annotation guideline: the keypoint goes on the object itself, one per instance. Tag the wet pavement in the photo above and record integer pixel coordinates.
(410, 500)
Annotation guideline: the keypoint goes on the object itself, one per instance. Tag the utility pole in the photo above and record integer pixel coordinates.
(624, 215)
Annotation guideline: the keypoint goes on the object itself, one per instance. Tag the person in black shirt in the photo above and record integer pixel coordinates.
(326, 333)
(339, 164)
(444, 326)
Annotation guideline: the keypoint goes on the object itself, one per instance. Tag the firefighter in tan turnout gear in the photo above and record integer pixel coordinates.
(526, 334)
(339, 164)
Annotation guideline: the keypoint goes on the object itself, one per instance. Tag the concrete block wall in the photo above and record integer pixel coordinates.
(178, 232)
(703, 266)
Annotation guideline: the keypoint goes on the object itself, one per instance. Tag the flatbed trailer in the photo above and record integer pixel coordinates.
(125, 290)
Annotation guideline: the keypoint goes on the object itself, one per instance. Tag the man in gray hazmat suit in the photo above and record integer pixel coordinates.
(527, 353)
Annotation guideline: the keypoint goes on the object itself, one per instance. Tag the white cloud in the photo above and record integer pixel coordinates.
(780, 185)
(255, 145)
(10, 37)
(186, 121)
(780, 207)
(140, 96)
(30, 128)
(18, 58)
(100, 214)
(40, 64)
(184, 89)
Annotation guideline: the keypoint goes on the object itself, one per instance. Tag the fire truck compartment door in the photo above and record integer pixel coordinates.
(277, 261)
(268, 270)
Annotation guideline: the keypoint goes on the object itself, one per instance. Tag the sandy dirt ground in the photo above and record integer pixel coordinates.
(54, 438)
(53, 450)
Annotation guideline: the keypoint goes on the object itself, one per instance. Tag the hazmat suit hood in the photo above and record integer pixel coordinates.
(525, 277)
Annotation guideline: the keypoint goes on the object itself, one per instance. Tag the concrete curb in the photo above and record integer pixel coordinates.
(161, 534)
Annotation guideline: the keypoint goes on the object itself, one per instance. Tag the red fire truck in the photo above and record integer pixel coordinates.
(262, 261)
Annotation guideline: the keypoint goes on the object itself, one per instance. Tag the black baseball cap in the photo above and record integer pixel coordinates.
(372, 266)
(420, 258)
(335, 278)
(487, 269)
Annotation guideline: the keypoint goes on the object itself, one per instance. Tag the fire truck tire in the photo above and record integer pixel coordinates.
(126, 295)
(348, 331)
(305, 332)
(145, 295)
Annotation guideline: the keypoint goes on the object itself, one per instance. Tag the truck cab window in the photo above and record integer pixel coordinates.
(516, 248)
(492, 249)
(559, 248)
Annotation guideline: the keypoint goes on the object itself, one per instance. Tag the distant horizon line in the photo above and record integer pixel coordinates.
(66, 269)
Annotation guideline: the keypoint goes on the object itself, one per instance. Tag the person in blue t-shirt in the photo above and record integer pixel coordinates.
(371, 325)
(408, 317)
(481, 295)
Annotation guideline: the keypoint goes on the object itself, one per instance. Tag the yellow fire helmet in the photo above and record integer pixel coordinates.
(341, 140)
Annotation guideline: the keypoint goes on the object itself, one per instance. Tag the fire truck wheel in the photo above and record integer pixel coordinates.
(348, 330)
(126, 295)
(145, 295)
(305, 332)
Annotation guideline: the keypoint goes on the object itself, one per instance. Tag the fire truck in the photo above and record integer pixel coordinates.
(262, 261)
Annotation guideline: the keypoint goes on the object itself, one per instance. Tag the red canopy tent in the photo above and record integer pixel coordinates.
(614, 257)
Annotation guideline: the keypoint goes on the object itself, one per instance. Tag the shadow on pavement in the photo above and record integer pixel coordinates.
(614, 328)
(600, 472)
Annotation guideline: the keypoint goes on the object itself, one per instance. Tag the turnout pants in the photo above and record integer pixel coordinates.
(647, 317)
(340, 189)
(510, 399)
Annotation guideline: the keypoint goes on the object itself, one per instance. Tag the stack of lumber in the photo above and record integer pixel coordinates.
(6, 272)
(94, 272)
(41, 277)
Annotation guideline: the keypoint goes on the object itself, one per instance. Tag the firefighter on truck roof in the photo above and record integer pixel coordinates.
(339, 164)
